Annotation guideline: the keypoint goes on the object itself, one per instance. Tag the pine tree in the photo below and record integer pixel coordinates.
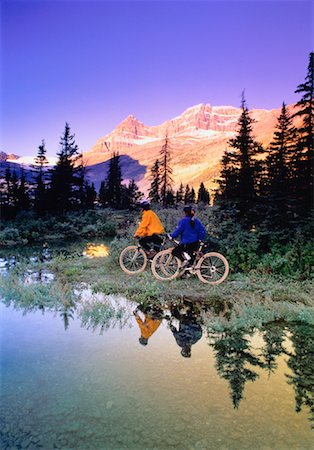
(131, 195)
(170, 198)
(192, 196)
(238, 179)
(114, 182)
(91, 195)
(64, 176)
(103, 194)
(14, 191)
(303, 162)
(154, 190)
(180, 194)
(40, 179)
(187, 195)
(278, 172)
(166, 180)
(203, 195)
(22, 194)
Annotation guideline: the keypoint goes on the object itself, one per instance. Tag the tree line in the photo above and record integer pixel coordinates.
(271, 186)
(276, 190)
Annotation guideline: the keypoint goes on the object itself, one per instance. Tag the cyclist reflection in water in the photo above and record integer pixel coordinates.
(190, 330)
(148, 326)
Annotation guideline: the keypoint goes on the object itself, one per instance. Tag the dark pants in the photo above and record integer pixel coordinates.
(153, 239)
(188, 248)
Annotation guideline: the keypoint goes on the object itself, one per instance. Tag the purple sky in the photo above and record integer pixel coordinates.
(94, 63)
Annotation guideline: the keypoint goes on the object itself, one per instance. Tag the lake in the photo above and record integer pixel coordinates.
(105, 374)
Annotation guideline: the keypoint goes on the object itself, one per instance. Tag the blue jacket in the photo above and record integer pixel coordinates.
(187, 232)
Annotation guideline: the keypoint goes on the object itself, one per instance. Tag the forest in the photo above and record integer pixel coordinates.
(260, 214)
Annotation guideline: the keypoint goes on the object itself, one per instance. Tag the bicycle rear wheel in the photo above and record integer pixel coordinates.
(133, 260)
(165, 267)
(212, 268)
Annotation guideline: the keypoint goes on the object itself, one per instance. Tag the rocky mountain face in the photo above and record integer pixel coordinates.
(5, 156)
(197, 139)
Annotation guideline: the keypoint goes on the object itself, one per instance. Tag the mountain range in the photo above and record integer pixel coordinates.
(197, 140)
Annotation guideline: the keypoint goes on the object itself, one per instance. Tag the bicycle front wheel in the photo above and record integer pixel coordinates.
(165, 266)
(212, 268)
(133, 260)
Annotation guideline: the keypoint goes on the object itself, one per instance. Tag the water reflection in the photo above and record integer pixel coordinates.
(238, 360)
(301, 363)
(96, 251)
(233, 352)
(188, 330)
(148, 318)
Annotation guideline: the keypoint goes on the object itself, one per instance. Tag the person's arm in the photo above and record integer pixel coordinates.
(201, 231)
(178, 230)
(142, 229)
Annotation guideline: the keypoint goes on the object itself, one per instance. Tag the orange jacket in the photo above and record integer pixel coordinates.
(149, 225)
(148, 327)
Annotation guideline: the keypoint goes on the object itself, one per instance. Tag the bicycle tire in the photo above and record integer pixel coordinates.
(212, 268)
(133, 260)
(171, 262)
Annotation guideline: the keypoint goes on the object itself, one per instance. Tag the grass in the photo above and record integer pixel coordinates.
(242, 300)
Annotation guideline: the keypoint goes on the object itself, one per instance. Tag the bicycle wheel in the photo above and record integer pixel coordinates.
(212, 268)
(133, 260)
(165, 266)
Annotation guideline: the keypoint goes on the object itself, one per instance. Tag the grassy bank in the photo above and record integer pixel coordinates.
(264, 252)
(242, 300)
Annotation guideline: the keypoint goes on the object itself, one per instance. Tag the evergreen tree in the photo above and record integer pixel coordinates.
(88, 196)
(180, 194)
(192, 196)
(303, 162)
(187, 195)
(14, 191)
(114, 186)
(103, 194)
(170, 197)
(6, 204)
(63, 192)
(131, 195)
(166, 180)
(239, 189)
(22, 194)
(278, 173)
(154, 190)
(40, 179)
(203, 195)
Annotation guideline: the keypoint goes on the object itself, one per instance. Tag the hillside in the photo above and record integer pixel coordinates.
(197, 137)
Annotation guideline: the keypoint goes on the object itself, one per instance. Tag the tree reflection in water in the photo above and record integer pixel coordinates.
(274, 334)
(233, 353)
(235, 357)
(301, 363)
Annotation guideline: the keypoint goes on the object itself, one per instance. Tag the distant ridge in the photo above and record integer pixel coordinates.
(198, 138)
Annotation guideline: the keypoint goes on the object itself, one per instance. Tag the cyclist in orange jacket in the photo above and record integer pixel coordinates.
(149, 229)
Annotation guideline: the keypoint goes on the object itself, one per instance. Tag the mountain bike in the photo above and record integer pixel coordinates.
(210, 267)
(133, 259)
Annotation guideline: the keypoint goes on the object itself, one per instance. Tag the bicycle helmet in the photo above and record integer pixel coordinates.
(145, 204)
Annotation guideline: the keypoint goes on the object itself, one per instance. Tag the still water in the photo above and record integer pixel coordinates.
(80, 378)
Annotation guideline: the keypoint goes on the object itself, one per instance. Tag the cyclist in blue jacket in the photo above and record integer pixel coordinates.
(191, 231)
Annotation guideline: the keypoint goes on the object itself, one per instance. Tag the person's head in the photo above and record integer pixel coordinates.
(189, 211)
(186, 351)
(143, 340)
(145, 205)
